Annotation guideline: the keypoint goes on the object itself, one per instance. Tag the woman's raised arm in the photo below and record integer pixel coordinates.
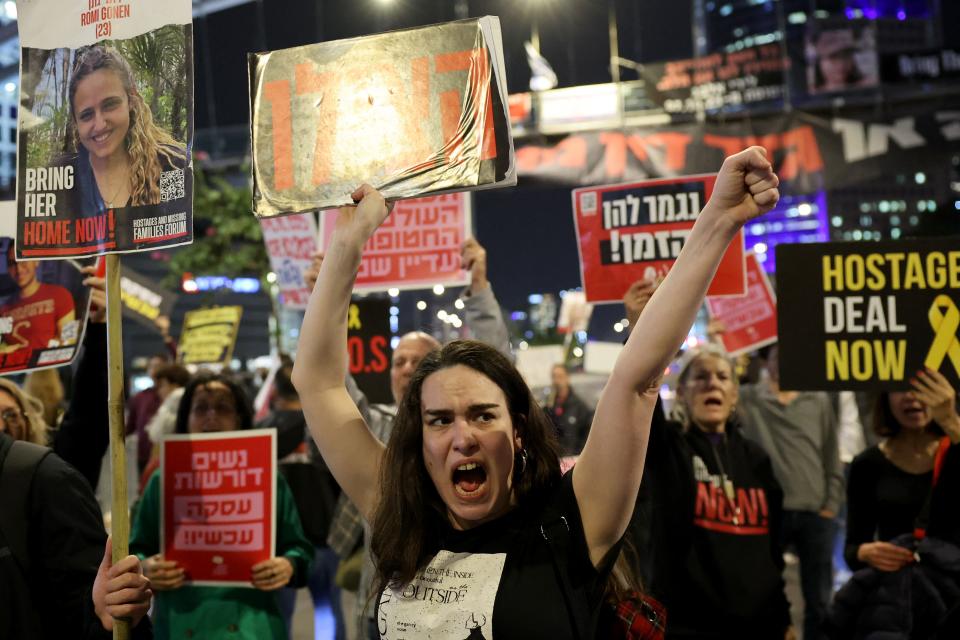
(607, 475)
(346, 443)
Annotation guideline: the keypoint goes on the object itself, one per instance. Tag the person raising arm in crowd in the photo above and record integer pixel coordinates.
(462, 486)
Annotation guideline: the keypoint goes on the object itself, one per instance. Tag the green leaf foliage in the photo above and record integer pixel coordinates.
(227, 237)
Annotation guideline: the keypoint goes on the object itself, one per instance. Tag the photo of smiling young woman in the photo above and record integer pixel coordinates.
(103, 145)
(121, 151)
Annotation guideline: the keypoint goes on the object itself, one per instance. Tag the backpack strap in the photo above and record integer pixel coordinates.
(556, 531)
(18, 469)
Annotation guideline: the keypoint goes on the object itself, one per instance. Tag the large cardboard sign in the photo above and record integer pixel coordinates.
(218, 511)
(368, 345)
(749, 321)
(144, 300)
(630, 232)
(106, 126)
(416, 247)
(864, 316)
(291, 242)
(413, 112)
(209, 335)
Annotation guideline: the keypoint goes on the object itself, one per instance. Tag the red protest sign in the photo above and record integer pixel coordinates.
(630, 232)
(218, 516)
(291, 242)
(749, 321)
(417, 246)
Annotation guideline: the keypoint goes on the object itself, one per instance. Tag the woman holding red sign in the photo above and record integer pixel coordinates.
(474, 528)
(215, 403)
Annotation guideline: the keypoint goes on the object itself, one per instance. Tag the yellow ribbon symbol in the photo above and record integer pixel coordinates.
(945, 320)
(353, 318)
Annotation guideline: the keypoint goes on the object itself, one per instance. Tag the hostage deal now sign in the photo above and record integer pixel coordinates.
(635, 231)
(218, 516)
(866, 316)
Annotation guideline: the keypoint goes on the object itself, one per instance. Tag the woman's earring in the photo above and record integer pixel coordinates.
(523, 460)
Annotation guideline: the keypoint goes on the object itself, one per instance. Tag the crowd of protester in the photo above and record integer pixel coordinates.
(681, 517)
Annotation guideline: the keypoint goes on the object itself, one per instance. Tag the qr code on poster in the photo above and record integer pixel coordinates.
(588, 203)
(171, 185)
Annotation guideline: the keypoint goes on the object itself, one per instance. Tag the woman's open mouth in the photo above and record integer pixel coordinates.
(470, 480)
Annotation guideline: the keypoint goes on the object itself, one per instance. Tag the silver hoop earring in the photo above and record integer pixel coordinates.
(523, 460)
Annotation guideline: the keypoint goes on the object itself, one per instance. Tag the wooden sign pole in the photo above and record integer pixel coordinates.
(120, 516)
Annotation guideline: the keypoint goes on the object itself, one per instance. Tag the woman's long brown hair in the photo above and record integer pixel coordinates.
(411, 513)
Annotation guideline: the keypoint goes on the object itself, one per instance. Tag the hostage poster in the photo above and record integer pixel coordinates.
(631, 232)
(43, 306)
(105, 127)
(864, 316)
(218, 516)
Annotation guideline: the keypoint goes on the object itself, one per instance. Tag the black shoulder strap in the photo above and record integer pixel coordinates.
(18, 471)
(556, 531)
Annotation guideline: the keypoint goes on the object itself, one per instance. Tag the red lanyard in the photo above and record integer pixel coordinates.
(920, 532)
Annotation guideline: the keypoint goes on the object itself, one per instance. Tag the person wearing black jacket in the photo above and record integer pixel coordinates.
(56, 577)
(708, 514)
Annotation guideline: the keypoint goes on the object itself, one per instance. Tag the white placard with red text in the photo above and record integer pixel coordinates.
(417, 246)
(291, 242)
(749, 321)
(217, 497)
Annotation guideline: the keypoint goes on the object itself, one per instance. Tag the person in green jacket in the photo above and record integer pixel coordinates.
(213, 403)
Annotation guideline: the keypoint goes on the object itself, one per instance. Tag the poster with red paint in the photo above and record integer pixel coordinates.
(413, 112)
(749, 321)
(218, 511)
(631, 232)
(104, 161)
(291, 242)
(417, 246)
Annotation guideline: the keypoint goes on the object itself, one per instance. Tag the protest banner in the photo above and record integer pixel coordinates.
(536, 363)
(368, 346)
(749, 321)
(209, 335)
(291, 242)
(868, 316)
(414, 112)
(810, 152)
(733, 79)
(630, 232)
(95, 175)
(218, 513)
(43, 306)
(417, 246)
(144, 300)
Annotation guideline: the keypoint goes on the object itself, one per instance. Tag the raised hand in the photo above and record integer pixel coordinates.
(98, 294)
(746, 187)
(934, 390)
(637, 297)
(361, 220)
(474, 259)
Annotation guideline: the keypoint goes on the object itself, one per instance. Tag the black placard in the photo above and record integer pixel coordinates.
(865, 316)
(368, 345)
